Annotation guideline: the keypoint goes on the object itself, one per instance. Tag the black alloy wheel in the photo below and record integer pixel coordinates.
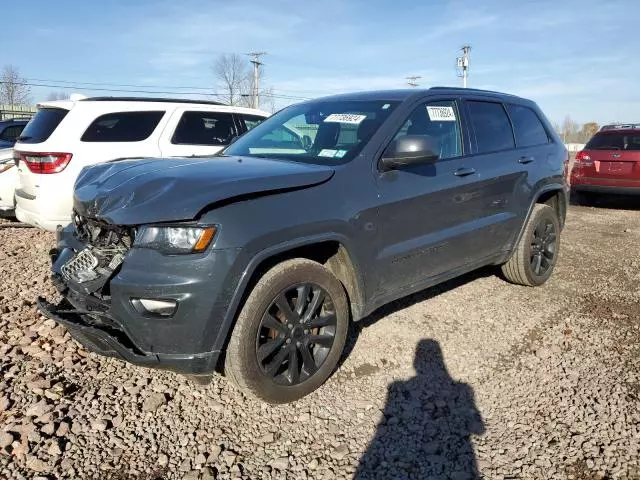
(543, 247)
(296, 334)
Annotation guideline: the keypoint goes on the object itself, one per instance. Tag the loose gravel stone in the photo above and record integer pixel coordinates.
(475, 377)
(6, 439)
(153, 402)
(279, 463)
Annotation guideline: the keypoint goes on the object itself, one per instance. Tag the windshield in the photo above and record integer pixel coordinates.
(328, 133)
(614, 141)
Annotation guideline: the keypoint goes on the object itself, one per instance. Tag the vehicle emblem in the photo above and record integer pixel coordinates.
(615, 155)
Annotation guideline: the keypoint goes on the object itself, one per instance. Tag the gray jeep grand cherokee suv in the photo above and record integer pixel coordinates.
(315, 218)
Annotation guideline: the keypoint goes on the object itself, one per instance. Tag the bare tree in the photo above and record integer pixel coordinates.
(570, 130)
(232, 74)
(589, 129)
(265, 94)
(267, 101)
(57, 96)
(13, 87)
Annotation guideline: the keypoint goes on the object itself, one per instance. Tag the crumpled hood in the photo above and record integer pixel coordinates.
(134, 192)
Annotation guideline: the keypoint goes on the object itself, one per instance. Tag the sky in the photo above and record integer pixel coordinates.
(574, 58)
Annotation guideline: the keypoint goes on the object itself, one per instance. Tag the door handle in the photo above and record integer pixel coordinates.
(525, 160)
(463, 172)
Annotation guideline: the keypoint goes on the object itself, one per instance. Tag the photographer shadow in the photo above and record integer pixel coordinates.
(427, 424)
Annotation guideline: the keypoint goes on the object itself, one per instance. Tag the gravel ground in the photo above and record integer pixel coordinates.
(473, 376)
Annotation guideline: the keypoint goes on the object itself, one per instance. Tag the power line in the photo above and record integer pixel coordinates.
(79, 86)
(109, 84)
(197, 87)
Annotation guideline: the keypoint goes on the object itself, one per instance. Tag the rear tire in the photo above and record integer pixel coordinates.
(536, 253)
(290, 333)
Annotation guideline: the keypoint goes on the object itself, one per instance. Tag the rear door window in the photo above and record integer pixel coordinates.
(614, 141)
(122, 127)
(42, 125)
(527, 127)
(11, 133)
(250, 121)
(204, 128)
(491, 126)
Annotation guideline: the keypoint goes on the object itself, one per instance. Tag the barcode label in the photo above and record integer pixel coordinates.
(441, 114)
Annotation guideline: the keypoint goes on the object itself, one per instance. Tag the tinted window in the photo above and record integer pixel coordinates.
(42, 125)
(11, 133)
(122, 127)
(282, 135)
(491, 126)
(527, 126)
(204, 128)
(251, 121)
(440, 121)
(614, 141)
(324, 132)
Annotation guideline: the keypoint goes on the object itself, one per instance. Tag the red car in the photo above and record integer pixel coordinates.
(609, 163)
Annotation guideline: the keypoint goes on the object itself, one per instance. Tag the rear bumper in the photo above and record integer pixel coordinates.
(606, 189)
(110, 342)
(34, 211)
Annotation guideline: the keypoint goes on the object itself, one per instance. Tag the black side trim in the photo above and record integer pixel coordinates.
(21, 193)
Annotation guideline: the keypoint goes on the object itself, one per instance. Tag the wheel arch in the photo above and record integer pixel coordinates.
(331, 250)
(553, 195)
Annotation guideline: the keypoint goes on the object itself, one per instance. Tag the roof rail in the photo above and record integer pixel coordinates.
(620, 126)
(475, 90)
(149, 99)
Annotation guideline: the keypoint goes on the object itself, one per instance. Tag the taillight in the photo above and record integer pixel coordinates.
(583, 158)
(45, 162)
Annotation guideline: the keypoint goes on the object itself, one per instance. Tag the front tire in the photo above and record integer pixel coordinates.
(536, 254)
(290, 333)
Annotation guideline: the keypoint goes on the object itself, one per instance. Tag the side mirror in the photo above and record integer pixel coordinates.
(409, 150)
(306, 141)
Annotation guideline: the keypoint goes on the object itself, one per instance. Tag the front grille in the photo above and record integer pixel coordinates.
(106, 247)
(102, 234)
(80, 267)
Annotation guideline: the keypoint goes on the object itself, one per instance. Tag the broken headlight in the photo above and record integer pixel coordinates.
(175, 239)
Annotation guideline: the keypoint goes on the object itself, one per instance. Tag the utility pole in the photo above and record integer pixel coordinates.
(411, 80)
(256, 76)
(463, 64)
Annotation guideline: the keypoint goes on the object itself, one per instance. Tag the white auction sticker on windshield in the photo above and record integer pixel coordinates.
(441, 114)
(326, 152)
(351, 118)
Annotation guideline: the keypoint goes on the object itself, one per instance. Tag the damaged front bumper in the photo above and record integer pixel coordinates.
(104, 339)
(102, 311)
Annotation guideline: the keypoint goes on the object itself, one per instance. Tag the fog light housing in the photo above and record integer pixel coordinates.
(162, 308)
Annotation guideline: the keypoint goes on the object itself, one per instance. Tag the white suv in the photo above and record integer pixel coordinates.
(67, 135)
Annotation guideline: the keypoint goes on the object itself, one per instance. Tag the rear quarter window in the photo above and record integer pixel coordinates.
(42, 125)
(527, 127)
(11, 133)
(491, 126)
(122, 127)
(251, 121)
(204, 128)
